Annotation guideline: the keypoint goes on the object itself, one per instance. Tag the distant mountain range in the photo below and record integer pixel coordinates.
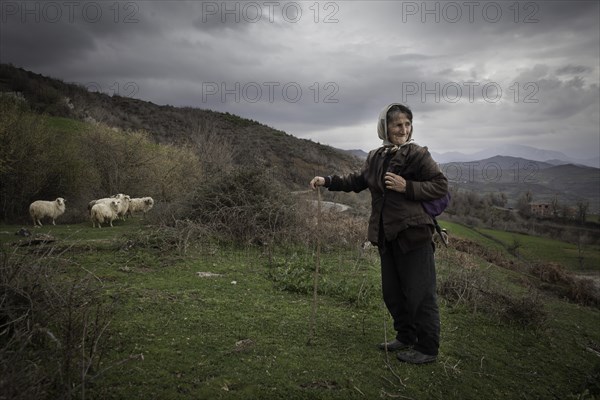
(569, 183)
(511, 150)
(516, 150)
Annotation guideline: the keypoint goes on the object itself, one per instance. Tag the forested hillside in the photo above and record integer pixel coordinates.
(61, 140)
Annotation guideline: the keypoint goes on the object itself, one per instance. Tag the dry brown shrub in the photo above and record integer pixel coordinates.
(245, 206)
(463, 282)
(343, 229)
(582, 291)
(333, 229)
(551, 273)
(493, 256)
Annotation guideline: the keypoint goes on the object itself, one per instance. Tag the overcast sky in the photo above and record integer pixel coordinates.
(477, 74)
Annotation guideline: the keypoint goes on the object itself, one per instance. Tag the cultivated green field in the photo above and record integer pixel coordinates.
(247, 331)
(535, 248)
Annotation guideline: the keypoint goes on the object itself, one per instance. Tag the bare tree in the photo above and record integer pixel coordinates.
(582, 208)
(555, 207)
(216, 152)
(524, 204)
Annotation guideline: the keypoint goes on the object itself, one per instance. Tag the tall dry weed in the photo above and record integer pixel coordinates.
(51, 328)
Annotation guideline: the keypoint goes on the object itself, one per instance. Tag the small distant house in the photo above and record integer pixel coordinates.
(541, 209)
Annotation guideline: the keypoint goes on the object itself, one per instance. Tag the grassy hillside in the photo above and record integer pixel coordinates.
(580, 258)
(246, 332)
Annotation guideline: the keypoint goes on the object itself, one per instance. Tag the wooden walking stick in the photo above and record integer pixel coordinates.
(316, 273)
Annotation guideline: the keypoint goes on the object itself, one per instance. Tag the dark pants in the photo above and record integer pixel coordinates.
(408, 282)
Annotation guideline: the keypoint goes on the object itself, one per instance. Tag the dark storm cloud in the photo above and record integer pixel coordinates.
(41, 34)
(348, 59)
(44, 45)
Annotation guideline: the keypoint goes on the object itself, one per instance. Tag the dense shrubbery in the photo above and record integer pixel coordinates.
(44, 158)
(35, 162)
(244, 205)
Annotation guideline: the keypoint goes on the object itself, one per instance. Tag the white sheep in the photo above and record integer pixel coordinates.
(106, 200)
(52, 209)
(124, 206)
(104, 212)
(140, 204)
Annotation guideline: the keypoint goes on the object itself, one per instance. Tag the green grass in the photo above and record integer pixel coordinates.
(67, 124)
(533, 248)
(211, 338)
(71, 234)
(462, 231)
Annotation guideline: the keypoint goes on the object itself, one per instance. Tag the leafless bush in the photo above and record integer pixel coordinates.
(51, 329)
(496, 257)
(245, 205)
(332, 228)
(583, 291)
(465, 283)
(216, 152)
(551, 273)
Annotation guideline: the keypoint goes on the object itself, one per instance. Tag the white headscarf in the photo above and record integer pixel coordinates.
(382, 129)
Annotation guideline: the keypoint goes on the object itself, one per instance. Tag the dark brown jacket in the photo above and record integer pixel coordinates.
(398, 211)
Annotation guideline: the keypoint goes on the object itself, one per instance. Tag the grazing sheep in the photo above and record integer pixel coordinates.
(52, 209)
(104, 212)
(141, 204)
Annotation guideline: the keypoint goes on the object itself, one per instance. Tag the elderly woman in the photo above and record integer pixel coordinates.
(400, 175)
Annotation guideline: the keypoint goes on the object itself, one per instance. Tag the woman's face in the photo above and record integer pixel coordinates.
(399, 128)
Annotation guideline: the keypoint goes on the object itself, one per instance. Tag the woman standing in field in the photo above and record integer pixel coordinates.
(400, 175)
